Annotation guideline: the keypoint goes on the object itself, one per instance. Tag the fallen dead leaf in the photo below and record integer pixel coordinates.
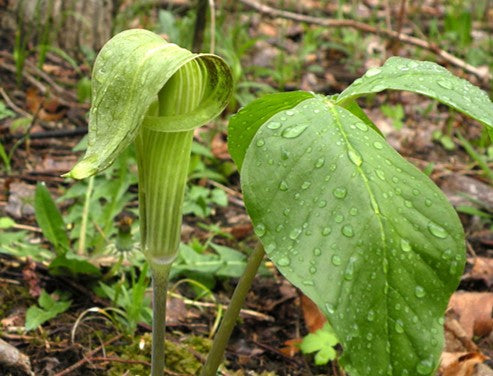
(314, 318)
(219, 147)
(461, 364)
(474, 311)
(482, 269)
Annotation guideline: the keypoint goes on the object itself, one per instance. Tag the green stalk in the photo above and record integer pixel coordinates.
(163, 159)
(221, 338)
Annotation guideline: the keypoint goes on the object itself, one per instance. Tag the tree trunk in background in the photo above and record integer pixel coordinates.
(67, 24)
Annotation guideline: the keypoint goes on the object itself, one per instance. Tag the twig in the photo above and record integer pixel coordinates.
(87, 357)
(482, 74)
(246, 312)
(118, 360)
(12, 105)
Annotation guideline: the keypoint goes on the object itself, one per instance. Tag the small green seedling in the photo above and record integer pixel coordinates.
(322, 343)
(154, 94)
(365, 234)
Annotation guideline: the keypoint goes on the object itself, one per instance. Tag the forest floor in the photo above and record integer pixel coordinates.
(46, 120)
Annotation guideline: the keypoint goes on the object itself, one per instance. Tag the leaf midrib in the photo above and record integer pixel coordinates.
(378, 214)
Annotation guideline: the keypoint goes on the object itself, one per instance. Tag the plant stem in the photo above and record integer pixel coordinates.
(159, 289)
(221, 339)
(85, 216)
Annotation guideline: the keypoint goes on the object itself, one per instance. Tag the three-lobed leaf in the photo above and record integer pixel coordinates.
(344, 217)
(427, 78)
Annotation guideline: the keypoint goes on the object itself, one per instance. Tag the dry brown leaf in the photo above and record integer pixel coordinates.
(474, 311)
(482, 269)
(461, 364)
(219, 147)
(314, 318)
(291, 347)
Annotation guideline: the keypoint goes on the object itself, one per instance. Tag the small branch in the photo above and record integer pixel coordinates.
(200, 23)
(12, 105)
(482, 74)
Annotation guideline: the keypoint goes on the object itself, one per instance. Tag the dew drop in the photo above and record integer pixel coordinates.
(290, 112)
(378, 145)
(336, 260)
(295, 131)
(260, 143)
(329, 307)
(405, 246)
(399, 327)
(349, 272)
(353, 211)
(339, 218)
(437, 231)
(355, 157)
(373, 72)
(322, 204)
(260, 229)
(326, 231)
(308, 283)
(319, 163)
(380, 174)
(312, 270)
(445, 84)
(428, 202)
(317, 252)
(286, 212)
(306, 185)
(419, 292)
(274, 125)
(425, 367)
(347, 231)
(339, 192)
(284, 261)
(371, 315)
(283, 186)
(295, 233)
(361, 126)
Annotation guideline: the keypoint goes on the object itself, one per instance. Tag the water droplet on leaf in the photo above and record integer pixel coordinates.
(437, 231)
(347, 231)
(260, 229)
(405, 246)
(355, 157)
(283, 186)
(274, 125)
(373, 72)
(445, 84)
(336, 260)
(295, 131)
(419, 292)
(340, 192)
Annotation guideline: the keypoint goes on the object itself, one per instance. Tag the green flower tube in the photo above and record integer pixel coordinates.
(153, 93)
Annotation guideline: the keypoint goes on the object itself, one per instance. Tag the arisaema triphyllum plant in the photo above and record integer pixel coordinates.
(154, 94)
(361, 231)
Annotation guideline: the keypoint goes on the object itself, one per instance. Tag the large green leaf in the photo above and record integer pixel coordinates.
(129, 73)
(358, 229)
(425, 78)
(240, 133)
